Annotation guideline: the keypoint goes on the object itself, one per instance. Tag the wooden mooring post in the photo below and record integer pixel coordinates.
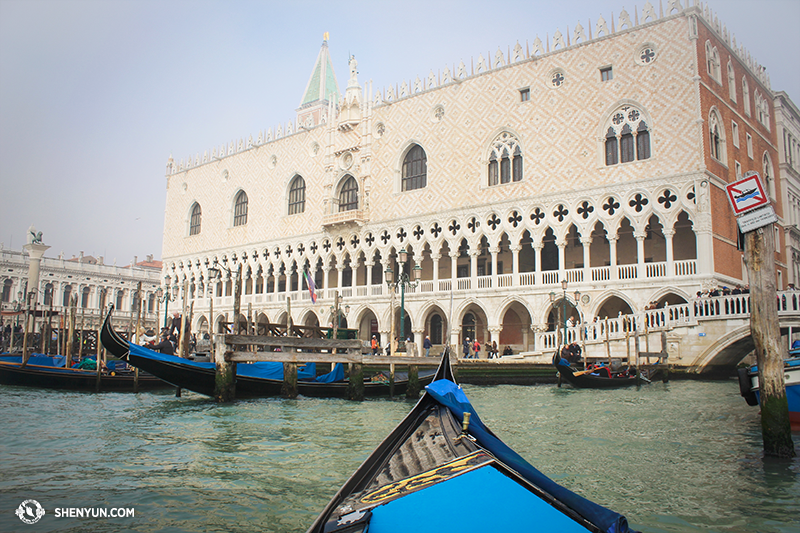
(661, 356)
(765, 331)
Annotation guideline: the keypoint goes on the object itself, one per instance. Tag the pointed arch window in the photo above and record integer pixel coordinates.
(713, 63)
(627, 137)
(731, 82)
(297, 195)
(505, 160)
(240, 209)
(762, 109)
(746, 96)
(642, 141)
(415, 169)
(194, 221)
(348, 195)
(626, 144)
(612, 150)
(716, 137)
(769, 179)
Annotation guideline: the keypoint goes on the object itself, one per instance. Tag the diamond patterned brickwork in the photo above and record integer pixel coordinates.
(560, 130)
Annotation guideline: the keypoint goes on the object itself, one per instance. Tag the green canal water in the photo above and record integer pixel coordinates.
(678, 457)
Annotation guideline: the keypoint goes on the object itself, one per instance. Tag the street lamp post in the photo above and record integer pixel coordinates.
(337, 313)
(402, 281)
(170, 294)
(563, 319)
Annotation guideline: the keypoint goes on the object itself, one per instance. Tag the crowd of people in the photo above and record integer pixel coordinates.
(727, 291)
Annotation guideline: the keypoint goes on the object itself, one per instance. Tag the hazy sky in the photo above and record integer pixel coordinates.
(96, 94)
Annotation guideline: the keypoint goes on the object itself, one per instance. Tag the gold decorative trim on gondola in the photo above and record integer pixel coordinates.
(428, 478)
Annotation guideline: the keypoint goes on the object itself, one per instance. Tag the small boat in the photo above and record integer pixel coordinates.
(600, 377)
(253, 380)
(442, 469)
(749, 388)
(49, 372)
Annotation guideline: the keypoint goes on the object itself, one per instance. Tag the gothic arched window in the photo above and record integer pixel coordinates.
(626, 144)
(240, 209)
(713, 63)
(716, 137)
(769, 179)
(348, 195)
(297, 195)
(642, 141)
(762, 109)
(415, 169)
(627, 137)
(731, 82)
(746, 96)
(505, 159)
(612, 150)
(194, 221)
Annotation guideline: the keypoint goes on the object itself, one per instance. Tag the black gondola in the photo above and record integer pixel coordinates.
(441, 469)
(254, 380)
(49, 373)
(601, 377)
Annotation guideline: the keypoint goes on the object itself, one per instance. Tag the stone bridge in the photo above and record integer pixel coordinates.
(705, 335)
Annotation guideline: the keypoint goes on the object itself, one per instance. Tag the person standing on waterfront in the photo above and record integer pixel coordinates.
(374, 345)
(466, 347)
(427, 345)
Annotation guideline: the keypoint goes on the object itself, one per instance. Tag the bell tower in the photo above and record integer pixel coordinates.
(321, 90)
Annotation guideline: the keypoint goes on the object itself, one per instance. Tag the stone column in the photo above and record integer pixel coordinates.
(473, 269)
(369, 277)
(612, 256)
(562, 246)
(453, 268)
(515, 264)
(435, 260)
(326, 269)
(668, 235)
(641, 273)
(494, 251)
(494, 335)
(35, 252)
(587, 258)
(538, 247)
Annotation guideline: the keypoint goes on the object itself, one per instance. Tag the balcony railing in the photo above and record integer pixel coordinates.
(547, 278)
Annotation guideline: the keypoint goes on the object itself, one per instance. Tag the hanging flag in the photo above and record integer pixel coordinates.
(311, 287)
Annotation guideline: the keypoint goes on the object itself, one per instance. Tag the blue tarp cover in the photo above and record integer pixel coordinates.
(496, 504)
(36, 359)
(262, 370)
(449, 394)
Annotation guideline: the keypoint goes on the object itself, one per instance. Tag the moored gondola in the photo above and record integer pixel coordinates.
(441, 469)
(49, 372)
(253, 380)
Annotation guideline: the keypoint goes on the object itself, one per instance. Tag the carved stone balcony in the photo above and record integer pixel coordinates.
(353, 216)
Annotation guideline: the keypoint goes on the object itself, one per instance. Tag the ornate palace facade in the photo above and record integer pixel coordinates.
(96, 285)
(599, 158)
